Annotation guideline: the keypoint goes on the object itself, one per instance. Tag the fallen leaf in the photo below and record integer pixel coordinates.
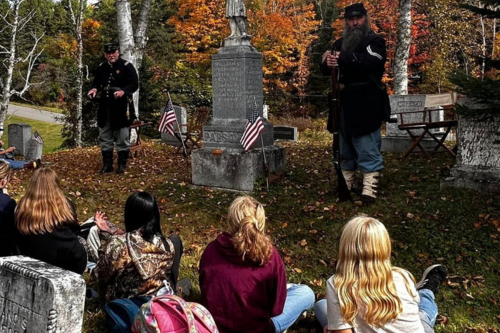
(303, 243)
(298, 270)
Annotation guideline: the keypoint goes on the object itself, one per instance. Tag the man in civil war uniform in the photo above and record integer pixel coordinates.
(116, 80)
(360, 56)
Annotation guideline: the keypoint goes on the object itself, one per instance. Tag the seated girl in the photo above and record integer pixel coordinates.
(7, 208)
(46, 223)
(6, 156)
(368, 294)
(137, 262)
(242, 277)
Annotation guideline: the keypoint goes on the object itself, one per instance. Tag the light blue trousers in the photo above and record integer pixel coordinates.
(427, 309)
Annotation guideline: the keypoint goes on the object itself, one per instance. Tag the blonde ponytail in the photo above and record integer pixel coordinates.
(246, 221)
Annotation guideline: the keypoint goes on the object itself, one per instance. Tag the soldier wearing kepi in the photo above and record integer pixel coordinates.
(360, 56)
(116, 80)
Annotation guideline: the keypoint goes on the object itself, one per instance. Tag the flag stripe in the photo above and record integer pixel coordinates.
(168, 119)
(253, 128)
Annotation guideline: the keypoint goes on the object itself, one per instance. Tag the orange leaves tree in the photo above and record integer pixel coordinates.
(282, 30)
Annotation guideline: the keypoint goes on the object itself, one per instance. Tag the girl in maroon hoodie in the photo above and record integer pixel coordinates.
(242, 277)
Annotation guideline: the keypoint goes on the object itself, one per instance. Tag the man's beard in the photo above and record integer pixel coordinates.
(354, 35)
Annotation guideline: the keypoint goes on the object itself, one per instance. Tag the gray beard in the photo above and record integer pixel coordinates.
(353, 36)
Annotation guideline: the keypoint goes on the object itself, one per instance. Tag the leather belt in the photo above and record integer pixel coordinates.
(111, 88)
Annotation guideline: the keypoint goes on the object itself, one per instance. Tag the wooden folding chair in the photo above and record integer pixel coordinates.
(137, 147)
(194, 132)
(426, 124)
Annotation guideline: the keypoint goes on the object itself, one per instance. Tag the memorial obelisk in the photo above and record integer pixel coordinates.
(237, 86)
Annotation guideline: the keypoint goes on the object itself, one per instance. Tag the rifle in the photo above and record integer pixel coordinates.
(344, 193)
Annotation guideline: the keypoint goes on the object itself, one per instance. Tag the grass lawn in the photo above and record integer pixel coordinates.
(50, 133)
(458, 228)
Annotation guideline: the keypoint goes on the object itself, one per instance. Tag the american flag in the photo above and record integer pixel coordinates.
(168, 119)
(37, 137)
(254, 127)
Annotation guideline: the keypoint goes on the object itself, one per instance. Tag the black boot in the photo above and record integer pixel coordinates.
(122, 161)
(107, 161)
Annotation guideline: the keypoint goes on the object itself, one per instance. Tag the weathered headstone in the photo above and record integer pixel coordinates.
(478, 159)
(181, 114)
(38, 297)
(19, 137)
(237, 83)
(34, 150)
(285, 133)
(398, 141)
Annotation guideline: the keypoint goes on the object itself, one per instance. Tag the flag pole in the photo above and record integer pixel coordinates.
(179, 130)
(266, 167)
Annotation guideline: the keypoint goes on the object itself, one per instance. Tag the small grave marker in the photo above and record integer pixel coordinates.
(38, 297)
(285, 133)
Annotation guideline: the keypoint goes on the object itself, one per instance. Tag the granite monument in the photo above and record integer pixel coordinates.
(237, 83)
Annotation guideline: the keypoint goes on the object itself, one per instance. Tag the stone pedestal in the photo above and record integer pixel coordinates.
(237, 87)
(19, 137)
(233, 170)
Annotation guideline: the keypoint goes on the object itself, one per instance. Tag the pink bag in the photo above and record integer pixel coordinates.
(170, 313)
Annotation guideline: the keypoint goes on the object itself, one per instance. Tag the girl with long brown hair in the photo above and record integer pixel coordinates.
(46, 223)
(367, 294)
(242, 276)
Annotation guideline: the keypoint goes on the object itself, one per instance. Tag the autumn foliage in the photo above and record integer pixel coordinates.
(282, 31)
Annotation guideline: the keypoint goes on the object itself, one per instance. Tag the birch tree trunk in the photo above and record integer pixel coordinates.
(402, 49)
(16, 25)
(77, 28)
(132, 45)
(126, 38)
(6, 93)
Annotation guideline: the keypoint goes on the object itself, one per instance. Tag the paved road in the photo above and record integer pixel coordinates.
(35, 114)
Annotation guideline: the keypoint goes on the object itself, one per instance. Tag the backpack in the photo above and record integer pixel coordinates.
(120, 313)
(170, 313)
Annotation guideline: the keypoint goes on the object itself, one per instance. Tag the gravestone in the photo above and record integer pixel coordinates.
(478, 159)
(399, 141)
(285, 133)
(19, 137)
(237, 82)
(34, 150)
(181, 114)
(38, 297)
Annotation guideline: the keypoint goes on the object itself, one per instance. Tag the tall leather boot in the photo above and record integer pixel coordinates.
(122, 161)
(349, 178)
(370, 183)
(107, 161)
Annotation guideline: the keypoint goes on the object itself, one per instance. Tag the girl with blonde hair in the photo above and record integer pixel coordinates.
(368, 294)
(242, 277)
(47, 222)
(7, 208)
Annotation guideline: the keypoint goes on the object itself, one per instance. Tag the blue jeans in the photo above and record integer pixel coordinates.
(361, 152)
(14, 164)
(299, 298)
(427, 309)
